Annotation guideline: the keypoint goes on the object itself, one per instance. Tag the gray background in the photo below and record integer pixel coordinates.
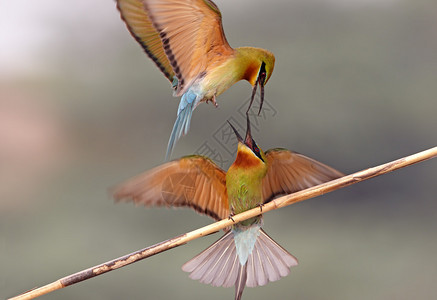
(82, 109)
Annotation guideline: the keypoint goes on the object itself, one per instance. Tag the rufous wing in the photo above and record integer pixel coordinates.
(140, 26)
(289, 172)
(192, 36)
(192, 181)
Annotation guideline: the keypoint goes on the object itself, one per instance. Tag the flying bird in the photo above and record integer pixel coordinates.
(245, 255)
(185, 40)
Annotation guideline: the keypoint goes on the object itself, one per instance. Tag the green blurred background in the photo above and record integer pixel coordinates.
(82, 109)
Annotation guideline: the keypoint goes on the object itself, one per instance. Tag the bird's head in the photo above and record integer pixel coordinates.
(261, 69)
(248, 153)
(266, 68)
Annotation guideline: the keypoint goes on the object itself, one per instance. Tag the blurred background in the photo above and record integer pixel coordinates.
(82, 108)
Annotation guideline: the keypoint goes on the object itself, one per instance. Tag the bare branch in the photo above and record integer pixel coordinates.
(184, 238)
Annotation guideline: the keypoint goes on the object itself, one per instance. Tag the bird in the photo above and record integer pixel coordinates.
(245, 255)
(186, 41)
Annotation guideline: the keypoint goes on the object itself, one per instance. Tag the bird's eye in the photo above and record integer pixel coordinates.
(262, 78)
(262, 73)
(256, 150)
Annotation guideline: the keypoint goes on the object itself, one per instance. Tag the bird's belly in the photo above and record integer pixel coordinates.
(215, 83)
(238, 205)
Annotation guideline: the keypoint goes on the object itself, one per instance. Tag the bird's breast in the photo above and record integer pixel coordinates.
(243, 195)
(220, 77)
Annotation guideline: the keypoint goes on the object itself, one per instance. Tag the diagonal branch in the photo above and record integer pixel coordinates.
(184, 238)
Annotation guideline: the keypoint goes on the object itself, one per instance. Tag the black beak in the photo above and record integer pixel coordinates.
(239, 138)
(261, 86)
(253, 96)
(248, 140)
(261, 80)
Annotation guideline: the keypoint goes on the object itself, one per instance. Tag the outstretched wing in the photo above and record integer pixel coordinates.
(192, 181)
(289, 172)
(140, 26)
(192, 36)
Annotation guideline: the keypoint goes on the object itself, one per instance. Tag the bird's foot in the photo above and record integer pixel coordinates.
(230, 217)
(261, 206)
(214, 102)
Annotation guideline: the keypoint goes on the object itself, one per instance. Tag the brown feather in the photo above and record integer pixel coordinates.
(193, 181)
(192, 35)
(140, 26)
(246, 159)
(289, 172)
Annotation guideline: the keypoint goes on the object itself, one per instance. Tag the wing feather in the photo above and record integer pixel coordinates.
(193, 181)
(192, 34)
(289, 172)
(141, 27)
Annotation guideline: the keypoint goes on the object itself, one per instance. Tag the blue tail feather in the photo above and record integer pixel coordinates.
(181, 126)
(187, 124)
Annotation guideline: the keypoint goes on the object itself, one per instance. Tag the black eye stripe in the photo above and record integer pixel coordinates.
(262, 73)
(262, 70)
(256, 150)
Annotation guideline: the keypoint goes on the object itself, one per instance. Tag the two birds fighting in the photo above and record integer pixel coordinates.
(186, 41)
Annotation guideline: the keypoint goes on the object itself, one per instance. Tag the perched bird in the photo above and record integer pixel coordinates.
(245, 255)
(185, 39)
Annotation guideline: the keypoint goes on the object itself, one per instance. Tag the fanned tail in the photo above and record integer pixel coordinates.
(182, 124)
(219, 265)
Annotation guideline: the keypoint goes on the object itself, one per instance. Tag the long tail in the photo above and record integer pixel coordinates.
(181, 126)
(219, 265)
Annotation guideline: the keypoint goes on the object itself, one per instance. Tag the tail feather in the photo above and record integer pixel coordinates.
(219, 264)
(212, 265)
(233, 267)
(253, 264)
(241, 281)
(212, 271)
(222, 278)
(281, 254)
(181, 126)
(188, 122)
(268, 261)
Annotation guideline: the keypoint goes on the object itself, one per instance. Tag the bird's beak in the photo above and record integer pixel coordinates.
(261, 87)
(248, 141)
(253, 95)
(261, 80)
(239, 138)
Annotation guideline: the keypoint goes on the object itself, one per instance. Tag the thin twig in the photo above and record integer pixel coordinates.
(184, 238)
